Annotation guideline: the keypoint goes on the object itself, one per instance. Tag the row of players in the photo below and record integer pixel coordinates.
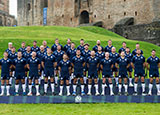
(78, 66)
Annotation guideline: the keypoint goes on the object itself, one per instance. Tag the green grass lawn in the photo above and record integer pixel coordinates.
(91, 35)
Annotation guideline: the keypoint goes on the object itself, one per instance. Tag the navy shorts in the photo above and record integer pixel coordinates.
(78, 74)
(153, 74)
(5, 76)
(33, 75)
(139, 73)
(49, 72)
(92, 75)
(123, 75)
(64, 76)
(19, 75)
(107, 75)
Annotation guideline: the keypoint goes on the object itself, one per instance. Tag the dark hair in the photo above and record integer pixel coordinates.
(123, 42)
(153, 50)
(82, 39)
(35, 41)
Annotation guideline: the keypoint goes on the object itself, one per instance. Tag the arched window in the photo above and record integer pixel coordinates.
(84, 17)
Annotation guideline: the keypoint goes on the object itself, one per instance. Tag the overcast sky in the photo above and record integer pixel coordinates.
(13, 7)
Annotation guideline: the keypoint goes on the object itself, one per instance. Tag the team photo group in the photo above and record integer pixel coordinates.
(63, 66)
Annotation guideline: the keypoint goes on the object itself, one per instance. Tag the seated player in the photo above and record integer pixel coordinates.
(78, 63)
(35, 48)
(49, 63)
(95, 48)
(19, 65)
(44, 43)
(68, 45)
(134, 52)
(129, 57)
(86, 53)
(33, 65)
(10, 45)
(114, 56)
(122, 64)
(106, 66)
(138, 64)
(81, 46)
(54, 47)
(23, 47)
(123, 48)
(108, 48)
(92, 64)
(65, 69)
(59, 56)
(154, 63)
(5, 65)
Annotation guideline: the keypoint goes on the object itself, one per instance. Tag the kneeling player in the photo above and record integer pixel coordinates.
(154, 63)
(65, 69)
(33, 65)
(122, 64)
(93, 64)
(78, 63)
(106, 66)
(48, 63)
(5, 65)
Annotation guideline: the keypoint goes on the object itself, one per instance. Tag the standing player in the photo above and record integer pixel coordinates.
(81, 46)
(33, 65)
(68, 45)
(86, 53)
(9, 47)
(134, 52)
(154, 63)
(59, 56)
(129, 57)
(54, 47)
(108, 48)
(5, 65)
(138, 64)
(114, 56)
(45, 45)
(48, 63)
(95, 48)
(35, 48)
(123, 48)
(65, 69)
(23, 47)
(78, 63)
(106, 66)
(93, 64)
(19, 65)
(122, 64)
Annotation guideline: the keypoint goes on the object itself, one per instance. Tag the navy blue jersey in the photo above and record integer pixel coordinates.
(92, 62)
(66, 47)
(33, 64)
(95, 48)
(64, 65)
(41, 54)
(134, 52)
(121, 49)
(86, 54)
(54, 47)
(35, 49)
(106, 65)
(108, 49)
(129, 56)
(19, 64)
(22, 50)
(138, 62)
(114, 57)
(81, 48)
(27, 55)
(153, 63)
(71, 53)
(123, 63)
(12, 56)
(5, 65)
(78, 63)
(45, 49)
(100, 55)
(49, 61)
(8, 50)
(58, 55)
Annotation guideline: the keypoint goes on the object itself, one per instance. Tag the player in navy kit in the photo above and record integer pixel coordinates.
(10, 45)
(23, 47)
(68, 45)
(65, 69)
(154, 63)
(122, 64)
(78, 63)
(108, 48)
(54, 47)
(35, 48)
(5, 65)
(95, 48)
(123, 48)
(93, 64)
(33, 65)
(138, 64)
(81, 46)
(59, 56)
(49, 63)
(134, 52)
(106, 66)
(44, 43)
(129, 57)
(114, 56)
(19, 65)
